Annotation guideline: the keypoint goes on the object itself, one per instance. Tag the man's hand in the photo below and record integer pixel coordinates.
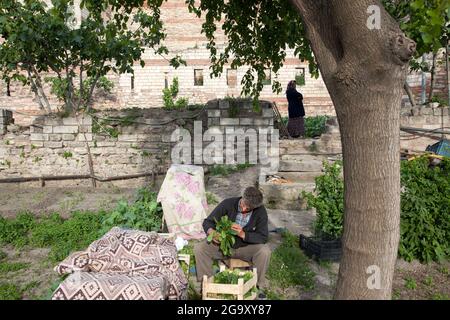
(239, 231)
(215, 236)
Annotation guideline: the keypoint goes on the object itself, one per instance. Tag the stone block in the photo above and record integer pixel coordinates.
(267, 113)
(65, 129)
(224, 104)
(38, 137)
(261, 122)
(53, 144)
(55, 137)
(68, 137)
(246, 121)
(212, 104)
(426, 111)
(71, 121)
(85, 129)
(213, 113)
(84, 137)
(229, 121)
(213, 122)
(47, 129)
(87, 121)
(128, 137)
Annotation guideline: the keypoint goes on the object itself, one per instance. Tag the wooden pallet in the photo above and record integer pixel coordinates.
(212, 291)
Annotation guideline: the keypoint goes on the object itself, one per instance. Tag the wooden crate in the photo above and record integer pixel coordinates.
(211, 289)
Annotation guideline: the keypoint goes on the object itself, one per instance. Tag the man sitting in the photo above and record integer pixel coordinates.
(251, 226)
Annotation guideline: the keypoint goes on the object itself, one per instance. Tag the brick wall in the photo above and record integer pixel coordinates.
(184, 38)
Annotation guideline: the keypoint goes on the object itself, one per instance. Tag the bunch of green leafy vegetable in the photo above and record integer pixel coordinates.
(224, 235)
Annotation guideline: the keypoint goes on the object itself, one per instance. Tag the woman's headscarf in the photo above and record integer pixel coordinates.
(291, 85)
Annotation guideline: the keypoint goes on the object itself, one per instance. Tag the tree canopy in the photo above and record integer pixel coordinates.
(39, 39)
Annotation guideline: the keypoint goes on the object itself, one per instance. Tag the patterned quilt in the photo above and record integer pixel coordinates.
(183, 199)
(123, 265)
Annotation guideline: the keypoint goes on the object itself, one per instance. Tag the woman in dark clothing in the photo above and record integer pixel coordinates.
(296, 124)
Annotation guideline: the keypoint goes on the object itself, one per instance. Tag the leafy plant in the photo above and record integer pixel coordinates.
(67, 154)
(328, 201)
(169, 96)
(315, 126)
(224, 235)
(425, 203)
(144, 214)
(300, 79)
(189, 249)
(232, 277)
(233, 110)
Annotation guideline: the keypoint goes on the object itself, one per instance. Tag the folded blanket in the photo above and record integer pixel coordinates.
(129, 257)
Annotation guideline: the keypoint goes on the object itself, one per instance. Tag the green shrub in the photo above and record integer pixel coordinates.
(169, 96)
(315, 126)
(425, 203)
(144, 214)
(424, 223)
(329, 201)
(289, 266)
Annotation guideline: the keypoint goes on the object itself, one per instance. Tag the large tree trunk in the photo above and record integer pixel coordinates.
(364, 71)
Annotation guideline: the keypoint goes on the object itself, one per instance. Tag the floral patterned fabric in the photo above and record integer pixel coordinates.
(123, 264)
(183, 199)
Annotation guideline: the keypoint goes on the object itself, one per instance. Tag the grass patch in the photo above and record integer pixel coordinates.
(12, 266)
(9, 291)
(289, 266)
(224, 170)
(2, 255)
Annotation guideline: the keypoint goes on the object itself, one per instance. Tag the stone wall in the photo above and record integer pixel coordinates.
(419, 117)
(58, 146)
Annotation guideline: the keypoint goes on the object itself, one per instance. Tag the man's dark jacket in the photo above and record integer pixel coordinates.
(256, 231)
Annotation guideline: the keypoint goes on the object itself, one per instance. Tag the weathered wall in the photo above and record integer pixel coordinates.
(419, 117)
(54, 146)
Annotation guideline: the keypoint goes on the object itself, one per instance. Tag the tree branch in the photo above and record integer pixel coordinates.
(323, 37)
